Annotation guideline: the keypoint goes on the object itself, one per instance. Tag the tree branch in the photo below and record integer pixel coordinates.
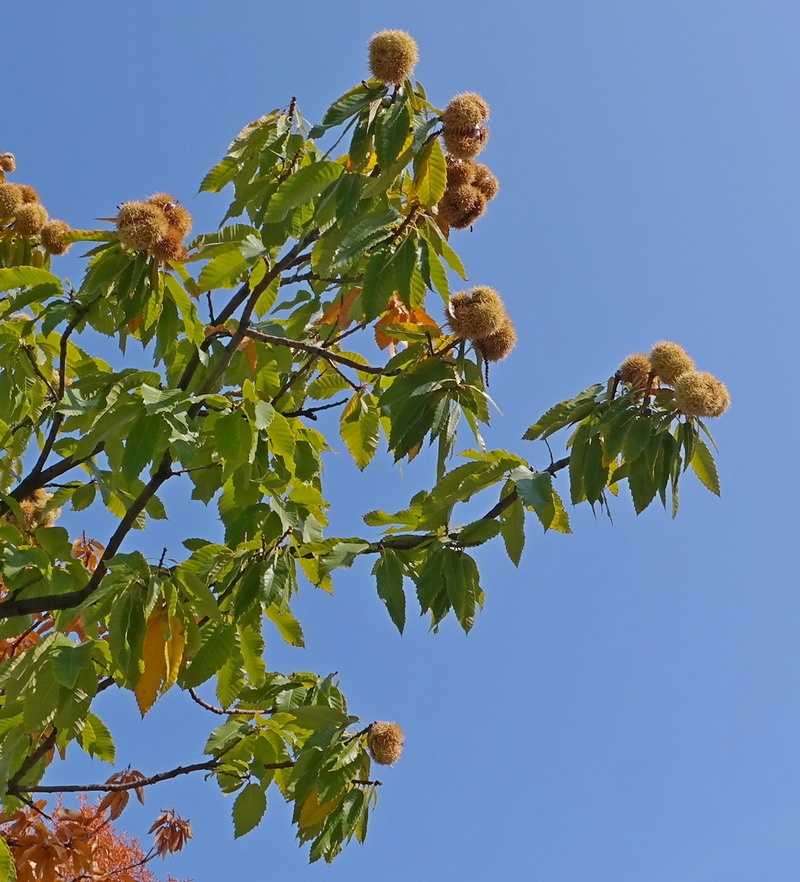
(116, 787)
(31, 759)
(33, 481)
(319, 351)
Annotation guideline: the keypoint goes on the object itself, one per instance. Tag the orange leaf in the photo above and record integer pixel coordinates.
(250, 351)
(338, 313)
(420, 317)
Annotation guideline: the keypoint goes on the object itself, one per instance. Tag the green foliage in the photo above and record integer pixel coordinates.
(228, 402)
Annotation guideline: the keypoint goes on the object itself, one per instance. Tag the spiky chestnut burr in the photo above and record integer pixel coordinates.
(392, 56)
(30, 219)
(385, 743)
(635, 370)
(141, 225)
(477, 313)
(669, 361)
(700, 394)
(52, 237)
(497, 346)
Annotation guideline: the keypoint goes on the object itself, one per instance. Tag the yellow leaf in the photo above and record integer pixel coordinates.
(155, 661)
(430, 174)
(174, 651)
(312, 812)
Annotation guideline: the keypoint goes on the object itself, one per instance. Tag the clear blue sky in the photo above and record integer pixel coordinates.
(627, 708)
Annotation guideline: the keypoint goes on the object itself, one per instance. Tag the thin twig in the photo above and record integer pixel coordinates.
(357, 734)
(313, 277)
(354, 386)
(359, 327)
(208, 465)
(311, 412)
(32, 805)
(37, 370)
(292, 379)
(224, 712)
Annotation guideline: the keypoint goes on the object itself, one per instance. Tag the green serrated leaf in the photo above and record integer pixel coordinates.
(68, 661)
(145, 436)
(512, 527)
(219, 176)
(478, 532)
(287, 625)
(577, 460)
(392, 129)
(96, 739)
(224, 271)
(217, 642)
(564, 414)
(28, 277)
(641, 482)
(301, 187)
(378, 284)
(595, 474)
(351, 102)
(388, 572)
(704, 467)
(360, 428)
(248, 809)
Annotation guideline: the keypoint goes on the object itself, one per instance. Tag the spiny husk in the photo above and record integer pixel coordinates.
(141, 225)
(461, 206)
(385, 742)
(459, 172)
(52, 237)
(470, 186)
(171, 247)
(392, 56)
(635, 370)
(177, 216)
(33, 512)
(29, 194)
(700, 394)
(497, 346)
(8, 162)
(485, 181)
(669, 361)
(464, 143)
(10, 200)
(465, 111)
(477, 313)
(30, 219)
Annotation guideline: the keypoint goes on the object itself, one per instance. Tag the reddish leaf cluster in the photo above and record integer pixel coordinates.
(75, 844)
(89, 551)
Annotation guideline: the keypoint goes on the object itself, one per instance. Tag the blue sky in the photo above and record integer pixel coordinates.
(628, 705)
